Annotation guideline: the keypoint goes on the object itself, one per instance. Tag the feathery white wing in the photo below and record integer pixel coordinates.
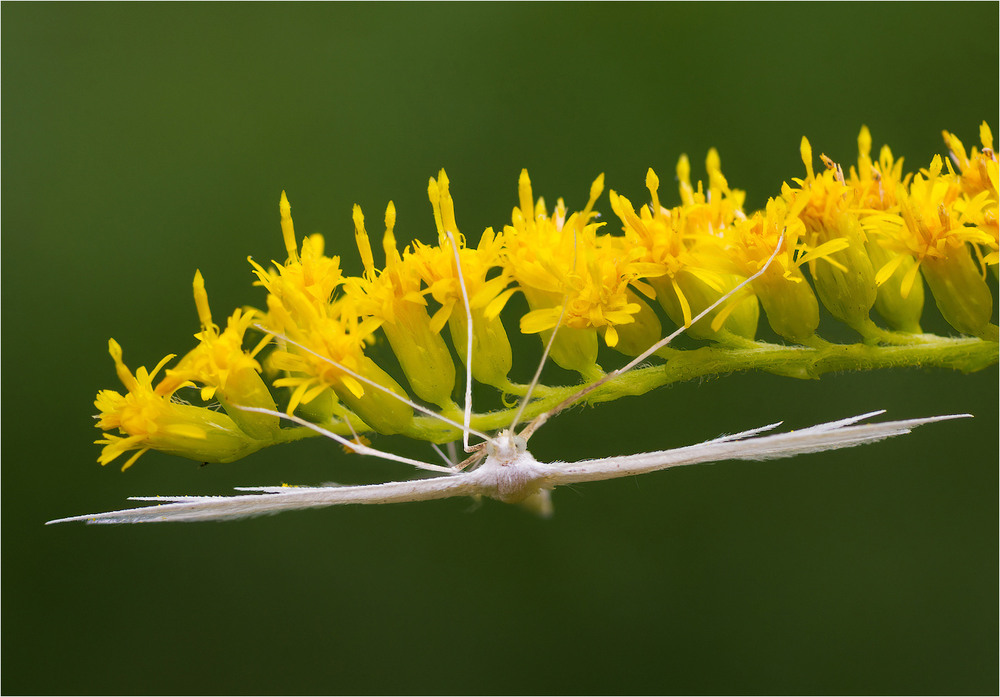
(278, 499)
(488, 480)
(829, 436)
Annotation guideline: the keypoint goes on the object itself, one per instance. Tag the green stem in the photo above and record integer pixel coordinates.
(965, 354)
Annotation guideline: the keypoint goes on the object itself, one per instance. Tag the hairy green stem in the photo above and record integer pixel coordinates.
(964, 354)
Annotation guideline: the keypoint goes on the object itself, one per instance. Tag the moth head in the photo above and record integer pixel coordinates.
(506, 445)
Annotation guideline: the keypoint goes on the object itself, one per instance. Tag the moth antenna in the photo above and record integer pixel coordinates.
(473, 459)
(548, 348)
(468, 343)
(361, 378)
(357, 447)
(542, 418)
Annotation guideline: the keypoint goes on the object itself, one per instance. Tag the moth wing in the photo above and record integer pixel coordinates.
(844, 433)
(275, 500)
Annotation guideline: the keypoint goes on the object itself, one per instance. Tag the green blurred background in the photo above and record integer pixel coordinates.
(143, 141)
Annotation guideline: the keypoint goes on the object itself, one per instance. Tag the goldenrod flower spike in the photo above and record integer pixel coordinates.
(706, 261)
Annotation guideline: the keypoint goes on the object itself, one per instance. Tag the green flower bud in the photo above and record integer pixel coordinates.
(697, 295)
(491, 353)
(572, 349)
(790, 306)
(245, 388)
(635, 337)
(320, 409)
(900, 306)
(960, 292)
(219, 440)
(423, 355)
(383, 412)
(846, 287)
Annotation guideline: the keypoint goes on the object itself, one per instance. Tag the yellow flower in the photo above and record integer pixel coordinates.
(542, 254)
(788, 300)
(150, 419)
(873, 184)
(330, 338)
(978, 179)
(394, 299)
(224, 370)
(679, 254)
(486, 285)
(599, 297)
(566, 270)
(710, 212)
(333, 341)
(874, 187)
(978, 169)
(308, 273)
(933, 232)
(846, 284)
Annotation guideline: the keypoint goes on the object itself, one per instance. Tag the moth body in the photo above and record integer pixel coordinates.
(510, 473)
